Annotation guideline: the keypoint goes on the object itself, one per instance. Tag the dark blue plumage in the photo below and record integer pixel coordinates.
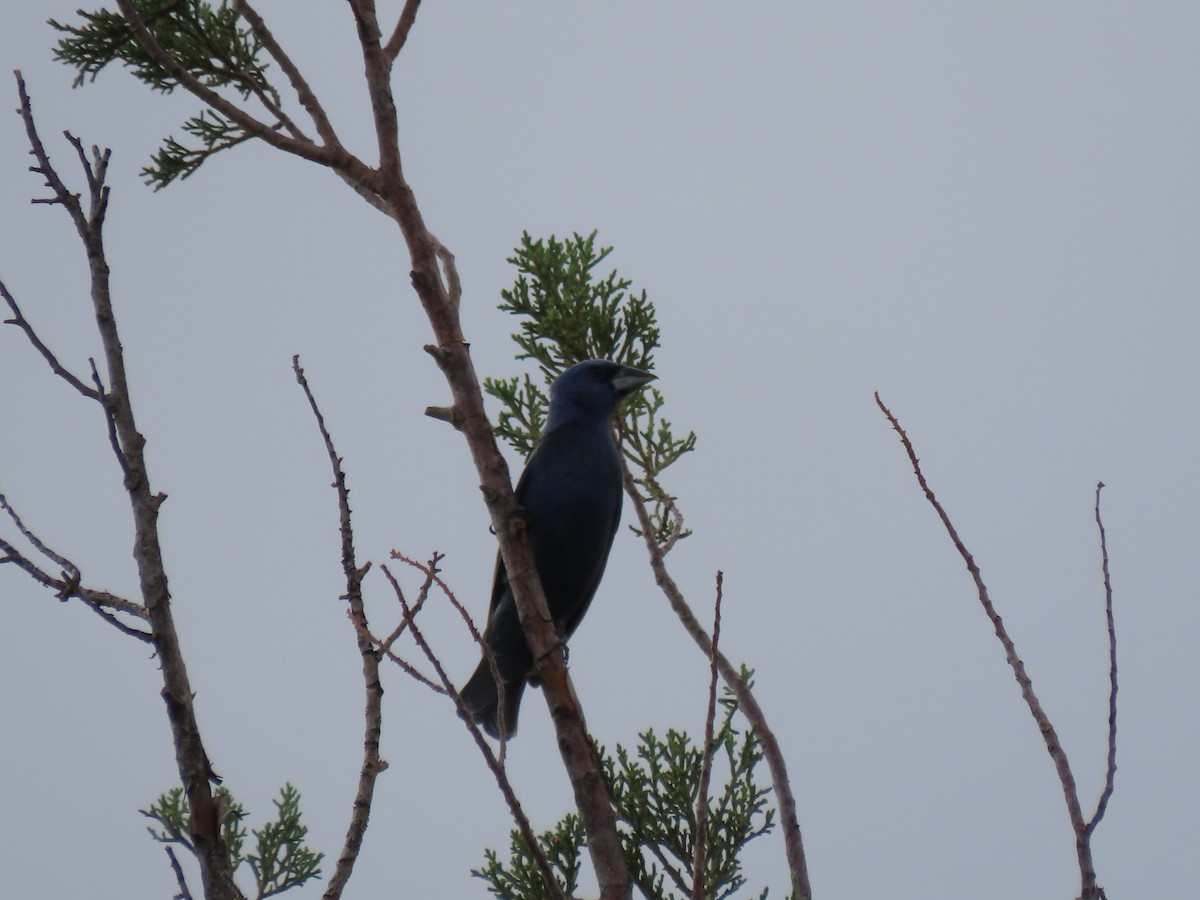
(571, 492)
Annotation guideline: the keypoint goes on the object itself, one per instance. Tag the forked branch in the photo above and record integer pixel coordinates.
(1083, 830)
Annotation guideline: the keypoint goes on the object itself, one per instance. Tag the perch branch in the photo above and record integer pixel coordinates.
(56, 367)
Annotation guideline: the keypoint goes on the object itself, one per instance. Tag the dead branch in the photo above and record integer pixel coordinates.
(698, 883)
(1083, 848)
(56, 367)
(192, 760)
(496, 765)
(184, 892)
(433, 578)
(372, 764)
(747, 703)
(1110, 771)
(400, 35)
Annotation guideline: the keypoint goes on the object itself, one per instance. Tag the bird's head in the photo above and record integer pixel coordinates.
(593, 389)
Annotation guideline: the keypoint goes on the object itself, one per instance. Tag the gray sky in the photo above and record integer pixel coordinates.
(987, 212)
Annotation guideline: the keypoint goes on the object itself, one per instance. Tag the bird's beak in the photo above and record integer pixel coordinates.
(630, 379)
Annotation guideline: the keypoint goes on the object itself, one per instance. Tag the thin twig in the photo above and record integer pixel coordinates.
(56, 367)
(400, 35)
(184, 893)
(37, 542)
(1049, 735)
(106, 403)
(372, 764)
(496, 765)
(699, 887)
(69, 585)
(300, 85)
(1110, 771)
(748, 704)
(475, 635)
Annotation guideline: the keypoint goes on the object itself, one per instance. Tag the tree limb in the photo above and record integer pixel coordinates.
(1110, 771)
(192, 760)
(372, 765)
(1083, 849)
(747, 703)
(496, 765)
(699, 888)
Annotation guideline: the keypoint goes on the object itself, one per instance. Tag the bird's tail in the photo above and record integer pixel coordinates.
(482, 700)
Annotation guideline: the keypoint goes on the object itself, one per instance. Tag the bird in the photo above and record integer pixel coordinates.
(571, 491)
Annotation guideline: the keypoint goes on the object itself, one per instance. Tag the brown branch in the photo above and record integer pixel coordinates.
(184, 892)
(372, 765)
(496, 765)
(699, 888)
(1054, 746)
(306, 149)
(69, 585)
(56, 367)
(452, 354)
(792, 840)
(1110, 770)
(400, 35)
(299, 83)
(106, 403)
(192, 760)
(433, 578)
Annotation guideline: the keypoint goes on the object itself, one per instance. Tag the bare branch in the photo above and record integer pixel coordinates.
(433, 578)
(94, 169)
(400, 35)
(56, 367)
(699, 888)
(1049, 735)
(300, 85)
(36, 541)
(69, 200)
(184, 893)
(194, 768)
(100, 602)
(1110, 771)
(747, 703)
(372, 764)
(495, 764)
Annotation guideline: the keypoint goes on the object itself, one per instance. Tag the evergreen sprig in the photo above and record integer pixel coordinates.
(570, 313)
(280, 859)
(521, 879)
(654, 790)
(210, 42)
(172, 812)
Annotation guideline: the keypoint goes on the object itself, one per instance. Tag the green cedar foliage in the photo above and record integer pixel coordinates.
(280, 859)
(569, 313)
(211, 43)
(654, 790)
